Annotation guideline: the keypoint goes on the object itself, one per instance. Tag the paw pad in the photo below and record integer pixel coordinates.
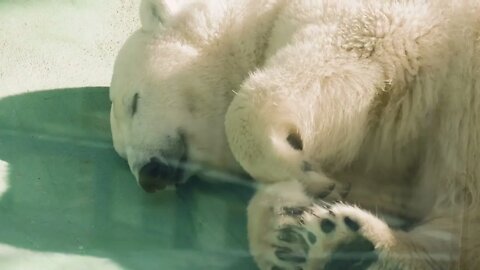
(289, 235)
(281, 268)
(327, 225)
(292, 236)
(286, 254)
(322, 236)
(311, 237)
(352, 225)
(357, 254)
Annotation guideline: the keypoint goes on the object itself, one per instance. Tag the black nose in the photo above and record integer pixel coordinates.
(156, 175)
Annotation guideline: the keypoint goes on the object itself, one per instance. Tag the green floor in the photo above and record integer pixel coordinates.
(67, 201)
(68, 192)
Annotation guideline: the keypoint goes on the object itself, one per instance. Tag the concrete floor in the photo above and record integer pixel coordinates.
(66, 192)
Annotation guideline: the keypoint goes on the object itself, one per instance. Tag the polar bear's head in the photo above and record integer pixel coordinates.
(168, 101)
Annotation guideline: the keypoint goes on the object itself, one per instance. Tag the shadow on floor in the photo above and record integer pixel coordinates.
(68, 192)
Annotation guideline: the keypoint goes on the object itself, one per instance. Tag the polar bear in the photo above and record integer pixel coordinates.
(370, 103)
(381, 99)
(173, 81)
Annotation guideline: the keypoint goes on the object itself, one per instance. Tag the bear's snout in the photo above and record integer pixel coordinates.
(156, 175)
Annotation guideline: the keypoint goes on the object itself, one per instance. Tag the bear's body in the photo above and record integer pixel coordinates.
(376, 104)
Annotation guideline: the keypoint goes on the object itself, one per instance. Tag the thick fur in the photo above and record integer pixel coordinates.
(178, 74)
(385, 99)
(374, 102)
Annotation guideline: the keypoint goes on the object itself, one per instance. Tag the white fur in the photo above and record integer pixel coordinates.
(384, 95)
(184, 64)
(386, 99)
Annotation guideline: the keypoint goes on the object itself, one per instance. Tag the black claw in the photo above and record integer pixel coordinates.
(326, 192)
(352, 225)
(294, 211)
(327, 225)
(346, 191)
(311, 238)
(331, 187)
(324, 205)
(322, 194)
(301, 221)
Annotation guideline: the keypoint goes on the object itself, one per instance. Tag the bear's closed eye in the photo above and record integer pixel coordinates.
(134, 103)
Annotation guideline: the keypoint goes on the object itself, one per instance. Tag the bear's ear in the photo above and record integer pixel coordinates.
(155, 13)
